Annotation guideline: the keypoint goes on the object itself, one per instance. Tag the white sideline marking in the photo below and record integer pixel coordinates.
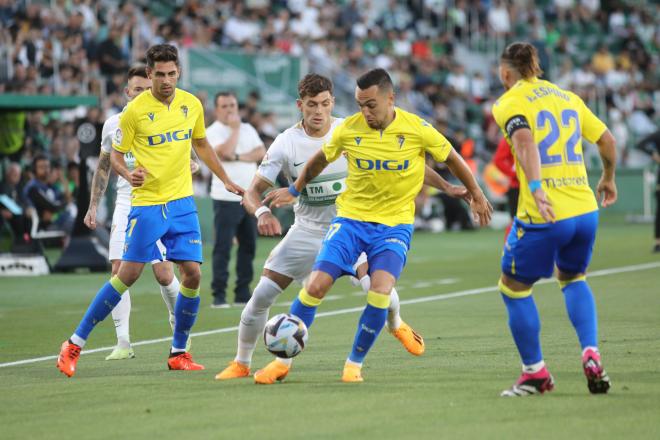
(597, 273)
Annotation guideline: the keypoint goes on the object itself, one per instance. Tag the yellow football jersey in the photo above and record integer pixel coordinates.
(159, 136)
(385, 168)
(558, 120)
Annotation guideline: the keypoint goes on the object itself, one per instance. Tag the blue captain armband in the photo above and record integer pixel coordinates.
(293, 191)
(534, 185)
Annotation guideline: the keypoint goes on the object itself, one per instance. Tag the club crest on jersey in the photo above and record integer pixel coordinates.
(184, 110)
(151, 116)
(358, 139)
(401, 138)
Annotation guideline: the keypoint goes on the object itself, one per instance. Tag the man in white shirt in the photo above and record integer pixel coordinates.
(239, 147)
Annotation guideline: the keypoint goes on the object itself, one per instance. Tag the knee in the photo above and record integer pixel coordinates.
(514, 289)
(164, 274)
(192, 277)
(317, 290)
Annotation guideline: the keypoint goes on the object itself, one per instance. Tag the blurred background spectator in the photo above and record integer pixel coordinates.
(442, 55)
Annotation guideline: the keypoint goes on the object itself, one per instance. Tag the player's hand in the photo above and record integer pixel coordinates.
(138, 176)
(481, 208)
(234, 188)
(269, 225)
(606, 191)
(544, 205)
(459, 192)
(194, 167)
(90, 218)
(279, 197)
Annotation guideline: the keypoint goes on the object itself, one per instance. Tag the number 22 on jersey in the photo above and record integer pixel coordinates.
(568, 156)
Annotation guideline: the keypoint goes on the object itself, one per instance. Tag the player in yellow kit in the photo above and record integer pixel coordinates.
(557, 213)
(158, 128)
(385, 148)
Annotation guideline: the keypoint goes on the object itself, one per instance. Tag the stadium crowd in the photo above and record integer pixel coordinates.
(441, 53)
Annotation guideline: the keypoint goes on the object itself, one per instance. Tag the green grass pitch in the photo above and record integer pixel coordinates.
(449, 392)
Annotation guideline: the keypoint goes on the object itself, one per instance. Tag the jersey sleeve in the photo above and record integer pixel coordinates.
(592, 127)
(335, 146)
(124, 135)
(509, 116)
(435, 143)
(107, 134)
(274, 160)
(199, 130)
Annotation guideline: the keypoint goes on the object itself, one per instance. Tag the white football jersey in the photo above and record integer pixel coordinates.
(289, 153)
(109, 128)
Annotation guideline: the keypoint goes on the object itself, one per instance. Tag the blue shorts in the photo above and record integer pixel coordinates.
(532, 250)
(386, 247)
(175, 223)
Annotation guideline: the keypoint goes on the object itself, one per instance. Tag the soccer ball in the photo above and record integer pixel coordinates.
(285, 335)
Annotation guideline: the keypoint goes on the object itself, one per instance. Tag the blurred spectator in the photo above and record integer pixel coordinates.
(651, 146)
(41, 194)
(602, 61)
(12, 205)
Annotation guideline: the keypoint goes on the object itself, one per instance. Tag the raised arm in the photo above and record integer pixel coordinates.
(99, 185)
(207, 155)
(480, 206)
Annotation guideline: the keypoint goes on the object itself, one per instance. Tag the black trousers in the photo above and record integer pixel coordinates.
(657, 213)
(231, 220)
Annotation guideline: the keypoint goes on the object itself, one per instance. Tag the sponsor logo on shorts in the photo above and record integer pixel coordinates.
(195, 241)
(397, 241)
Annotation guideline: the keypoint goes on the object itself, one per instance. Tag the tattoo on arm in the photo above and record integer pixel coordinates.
(100, 179)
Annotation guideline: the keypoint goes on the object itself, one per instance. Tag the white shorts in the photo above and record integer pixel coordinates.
(118, 232)
(295, 255)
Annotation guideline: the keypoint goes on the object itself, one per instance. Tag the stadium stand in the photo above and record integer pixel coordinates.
(442, 55)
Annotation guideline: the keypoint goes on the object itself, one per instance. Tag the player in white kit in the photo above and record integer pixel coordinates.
(138, 82)
(293, 258)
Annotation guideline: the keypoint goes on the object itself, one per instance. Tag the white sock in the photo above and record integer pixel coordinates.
(254, 317)
(169, 294)
(359, 364)
(80, 342)
(286, 361)
(120, 315)
(393, 316)
(534, 368)
(393, 311)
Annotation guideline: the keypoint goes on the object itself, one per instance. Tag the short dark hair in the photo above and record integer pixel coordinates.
(313, 84)
(38, 158)
(139, 70)
(224, 94)
(375, 77)
(162, 53)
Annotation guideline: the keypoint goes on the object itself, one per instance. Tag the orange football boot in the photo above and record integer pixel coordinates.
(234, 370)
(276, 370)
(410, 339)
(68, 358)
(352, 373)
(183, 361)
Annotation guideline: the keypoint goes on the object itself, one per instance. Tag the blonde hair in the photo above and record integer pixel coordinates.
(523, 58)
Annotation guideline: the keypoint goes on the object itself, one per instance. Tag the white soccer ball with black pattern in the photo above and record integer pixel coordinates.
(285, 335)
